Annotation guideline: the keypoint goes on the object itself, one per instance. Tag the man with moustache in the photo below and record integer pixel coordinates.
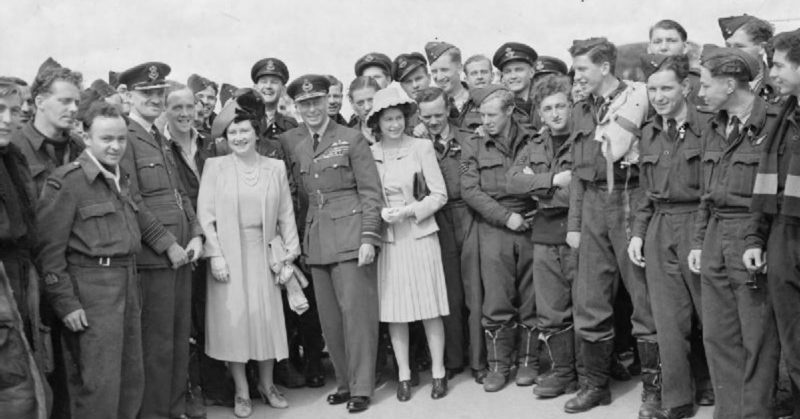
(457, 236)
(164, 269)
(752, 35)
(205, 93)
(516, 62)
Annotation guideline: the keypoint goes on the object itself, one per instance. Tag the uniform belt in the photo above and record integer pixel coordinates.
(676, 207)
(319, 199)
(618, 186)
(729, 213)
(458, 203)
(103, 262)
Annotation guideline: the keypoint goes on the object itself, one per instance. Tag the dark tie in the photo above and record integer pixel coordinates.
(734, 135)
(437, 143)
(316, 141)
(672, 129)
(156, 134)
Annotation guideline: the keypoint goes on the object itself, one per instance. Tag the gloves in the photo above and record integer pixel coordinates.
(219, 268)
(396, 214)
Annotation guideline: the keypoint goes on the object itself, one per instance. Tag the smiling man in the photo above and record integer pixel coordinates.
(335, 98)
(270, 76)
(751, 34)
(205, 93)
(376, 65)
(516, 63)
(446, 68)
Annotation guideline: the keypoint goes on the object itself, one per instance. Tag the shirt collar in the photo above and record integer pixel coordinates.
(193, 133)
(92, 167)
(37, 138)
(148, 126)
(322, 129)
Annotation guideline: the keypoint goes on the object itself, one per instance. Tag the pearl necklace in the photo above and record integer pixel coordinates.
(250, 177)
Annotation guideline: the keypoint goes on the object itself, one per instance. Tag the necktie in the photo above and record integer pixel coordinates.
(672, 129)
(316, 141)
(734, 134)
(156, 134)
(437, 143)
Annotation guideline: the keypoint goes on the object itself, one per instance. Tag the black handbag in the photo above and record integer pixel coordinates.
(420, 186)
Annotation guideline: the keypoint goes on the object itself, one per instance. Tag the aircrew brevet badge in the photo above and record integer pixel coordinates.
(270, 66)
(369, 58)
(307, 86)
(509, 52)
(152, 73)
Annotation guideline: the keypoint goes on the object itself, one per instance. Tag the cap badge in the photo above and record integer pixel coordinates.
(369, 58)
(307, 86)
(509, 52)
(152, 73)
(403, 63)
(270, 66)
(539, 66)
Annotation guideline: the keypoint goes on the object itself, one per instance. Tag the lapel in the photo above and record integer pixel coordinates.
(140, 132)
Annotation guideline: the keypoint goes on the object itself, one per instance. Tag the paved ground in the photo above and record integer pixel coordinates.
(466, 400)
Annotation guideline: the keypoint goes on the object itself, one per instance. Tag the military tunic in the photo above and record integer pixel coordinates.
(41, 160)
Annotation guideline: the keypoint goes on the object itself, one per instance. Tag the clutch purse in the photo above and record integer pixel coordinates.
(420, 186)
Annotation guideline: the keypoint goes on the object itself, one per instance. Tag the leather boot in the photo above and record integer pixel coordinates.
(499, 345)
(594, 383)
(562, 377)
(527, 356)
(195, 406)
(651, 379)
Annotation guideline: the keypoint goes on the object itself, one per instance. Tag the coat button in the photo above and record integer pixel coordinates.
(316, 175)
(335, 165)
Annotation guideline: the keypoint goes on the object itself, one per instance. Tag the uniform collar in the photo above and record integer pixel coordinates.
(148, 126)
(37, 139)
(322, 129)
(92, 168)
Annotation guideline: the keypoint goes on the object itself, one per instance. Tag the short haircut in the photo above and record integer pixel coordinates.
(477, 58)
(506, 98)
(432, 93)
(44, 80)
(758, 30)
(669, 25)
(99, 109)
(598, 52)
(361, 82)
(549, 85)
(334, 81)
(455, 54)
(679, 64)
(788, 42)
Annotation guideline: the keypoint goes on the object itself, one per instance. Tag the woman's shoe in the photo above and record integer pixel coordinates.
(272, 397)
(439, 389)
(242, 407)
(404, 390)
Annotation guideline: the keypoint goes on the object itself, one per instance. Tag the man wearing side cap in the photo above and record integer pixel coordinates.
(164, 269)
(752, 35)
(205, 93)
(505, 246)
(375, 65)
(773, 227)
(340, 184)
(604, 184)
(446, 67)
(738, 324)
(516, 62)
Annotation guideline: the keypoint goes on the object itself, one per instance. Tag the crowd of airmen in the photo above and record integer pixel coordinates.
(588, 215)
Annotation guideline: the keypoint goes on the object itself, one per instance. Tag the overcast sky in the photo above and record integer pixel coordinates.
(222, 39)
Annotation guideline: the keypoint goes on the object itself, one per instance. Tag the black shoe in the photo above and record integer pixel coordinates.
(404, 390)
(439, 389)
(588, 398)
(479, 375)
(705, 397)
(315, 381)
(452, 372)
(358, 404)
(680, 412)
(338, 398)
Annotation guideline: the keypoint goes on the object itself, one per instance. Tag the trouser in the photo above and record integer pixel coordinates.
(304, 330)
(738, 323)
(473, 286)
(166, 326)
(452, 233)
(105, 376)
(674, 297)
(554, 267)
(783, 286)
(347, 299)
(603, 256)
(506, 271)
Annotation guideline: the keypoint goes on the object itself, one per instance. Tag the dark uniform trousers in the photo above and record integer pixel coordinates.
(506, 268)
(603, 259)
(554, 267)
(453, 222)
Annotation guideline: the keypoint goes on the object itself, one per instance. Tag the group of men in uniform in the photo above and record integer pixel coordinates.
(564, 184)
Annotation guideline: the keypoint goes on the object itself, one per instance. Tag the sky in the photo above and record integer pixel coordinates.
(222, 39)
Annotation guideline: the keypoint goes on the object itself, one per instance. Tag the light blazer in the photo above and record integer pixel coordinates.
(420, 156)
(218, 210)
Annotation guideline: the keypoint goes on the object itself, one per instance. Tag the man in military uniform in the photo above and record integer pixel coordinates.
(752, 35)
(339, 179)
(270, 76)
(516, 62)
(95, 224)
(598, 225)
(668, 37)
(738, 324)
(165, 273)
(375, 65)
(446, 67)
(776, 209)
(411, 71)
(205, 92)
(478, 72)
(458, 238)
(335, 97)
(505, 246)
(543, 170)
(670, 147)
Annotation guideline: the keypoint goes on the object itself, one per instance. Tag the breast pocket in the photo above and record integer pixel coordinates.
(648, 164)
(337, 169)
(710, 160)
(743, 173)
(492, 173)
(95, 226)
(690, 167)
(153, 175)
(346, 216)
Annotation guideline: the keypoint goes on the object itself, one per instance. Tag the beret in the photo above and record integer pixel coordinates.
(729, 25)
(435, 49)
(308, 86)
(226, 93)
(513, 51)
(550, 65)
(479, 94)
(730, 61)
(373, 59)
(387, 98)
(247, 105)
(102, 88)
(197, 83)
(149, 75)
(405, 64)
(269, 67)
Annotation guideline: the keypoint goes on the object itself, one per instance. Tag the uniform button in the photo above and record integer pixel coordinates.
(316, 175)
(335, 165)
(666, 153)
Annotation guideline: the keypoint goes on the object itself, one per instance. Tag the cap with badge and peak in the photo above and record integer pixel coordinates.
(148, 76)
(269, 67)
(405, 64)
(514, 51)
(373, 59)
(550, 65)
(308, 86)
